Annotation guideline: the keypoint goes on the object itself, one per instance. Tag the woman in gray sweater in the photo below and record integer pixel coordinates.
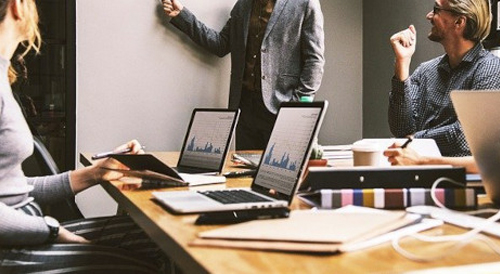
(30, 241)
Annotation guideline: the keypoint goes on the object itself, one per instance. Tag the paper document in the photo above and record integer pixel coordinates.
(423, 146)
(197, 179)
(333, 152)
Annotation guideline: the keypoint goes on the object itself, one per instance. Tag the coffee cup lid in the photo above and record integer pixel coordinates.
(366, 146)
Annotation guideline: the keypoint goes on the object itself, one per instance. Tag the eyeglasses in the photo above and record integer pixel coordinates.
(437, 9)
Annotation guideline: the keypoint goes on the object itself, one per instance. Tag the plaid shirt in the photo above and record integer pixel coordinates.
(421, 105)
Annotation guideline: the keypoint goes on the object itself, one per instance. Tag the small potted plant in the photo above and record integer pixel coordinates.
(316, 158)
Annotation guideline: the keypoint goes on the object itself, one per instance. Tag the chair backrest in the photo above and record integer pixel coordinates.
(41, 163)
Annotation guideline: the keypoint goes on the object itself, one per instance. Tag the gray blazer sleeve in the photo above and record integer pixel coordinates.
(216, 42)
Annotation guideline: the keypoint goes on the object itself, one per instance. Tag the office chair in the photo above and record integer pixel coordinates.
(41, 163)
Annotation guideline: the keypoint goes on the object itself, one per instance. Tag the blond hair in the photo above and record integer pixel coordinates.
(478, 13)
(31, 31)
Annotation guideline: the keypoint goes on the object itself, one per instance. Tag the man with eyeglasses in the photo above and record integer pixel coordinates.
(420, 105)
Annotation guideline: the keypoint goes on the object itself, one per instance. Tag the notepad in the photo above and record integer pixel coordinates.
(323, 231)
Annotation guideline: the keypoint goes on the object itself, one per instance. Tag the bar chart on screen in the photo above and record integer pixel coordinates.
(207, 139)
(286, 149)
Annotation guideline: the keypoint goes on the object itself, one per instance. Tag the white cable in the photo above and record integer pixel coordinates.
(481, 211)
(453, 249)
(459, 240)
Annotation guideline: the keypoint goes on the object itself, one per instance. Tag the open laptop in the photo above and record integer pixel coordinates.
(278, 174)
(207, 141)
(479, 115)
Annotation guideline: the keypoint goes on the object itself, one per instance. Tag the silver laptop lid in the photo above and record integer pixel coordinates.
(208, 139)
(479, 115)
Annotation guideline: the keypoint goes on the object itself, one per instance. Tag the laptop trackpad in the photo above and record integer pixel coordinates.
(188, 198)
(192, 198)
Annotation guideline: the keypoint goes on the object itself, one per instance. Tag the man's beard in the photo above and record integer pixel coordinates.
(434, 37)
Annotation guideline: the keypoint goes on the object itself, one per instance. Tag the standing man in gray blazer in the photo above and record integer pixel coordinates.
(276, 48)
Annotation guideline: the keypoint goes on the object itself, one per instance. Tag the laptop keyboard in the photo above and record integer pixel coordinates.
(193, 170)
(234, 196)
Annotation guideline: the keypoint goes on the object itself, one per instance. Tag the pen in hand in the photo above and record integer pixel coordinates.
(410, 139)
(106, 154)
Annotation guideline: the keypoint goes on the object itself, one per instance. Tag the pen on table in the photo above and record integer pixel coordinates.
(106, 154)
(410, 139)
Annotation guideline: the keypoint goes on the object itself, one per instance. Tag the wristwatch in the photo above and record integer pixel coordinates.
(53, 225)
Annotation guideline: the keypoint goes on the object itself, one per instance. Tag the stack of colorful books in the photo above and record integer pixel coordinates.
(457, 198)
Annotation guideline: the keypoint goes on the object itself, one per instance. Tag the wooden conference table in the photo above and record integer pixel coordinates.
(173, 233)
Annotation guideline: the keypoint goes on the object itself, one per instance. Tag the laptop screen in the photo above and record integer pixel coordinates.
(479, 116)
(288, 149)
(207, 139)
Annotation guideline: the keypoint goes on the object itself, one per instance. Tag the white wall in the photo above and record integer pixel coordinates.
(342, 82)
(138, 77)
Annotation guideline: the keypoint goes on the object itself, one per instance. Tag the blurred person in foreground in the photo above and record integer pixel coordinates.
(29, 240)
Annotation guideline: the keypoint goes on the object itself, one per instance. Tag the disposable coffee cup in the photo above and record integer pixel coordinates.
(366, 153)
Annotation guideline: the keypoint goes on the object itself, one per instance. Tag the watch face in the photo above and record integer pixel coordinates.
(51, 221)
(53, 225)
